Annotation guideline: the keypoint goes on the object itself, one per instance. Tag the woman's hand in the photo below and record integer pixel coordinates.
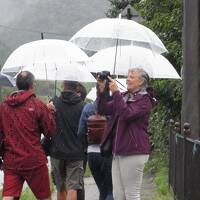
(112, 85)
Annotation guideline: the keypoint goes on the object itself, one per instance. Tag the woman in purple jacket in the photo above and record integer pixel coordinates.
(130, 113)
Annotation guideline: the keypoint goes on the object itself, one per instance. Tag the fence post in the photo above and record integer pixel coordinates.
(186, 133)
(177, 129)
(186, 129)
(171, 153)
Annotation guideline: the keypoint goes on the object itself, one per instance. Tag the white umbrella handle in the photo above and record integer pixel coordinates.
(115, 56)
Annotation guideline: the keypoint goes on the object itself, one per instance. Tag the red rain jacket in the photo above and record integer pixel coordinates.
(23, 118)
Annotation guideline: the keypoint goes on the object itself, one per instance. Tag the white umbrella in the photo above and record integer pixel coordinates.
(92, 94)
(48, 50)
(128, 57)
(109, 32)
(51, 71)
(6, 81)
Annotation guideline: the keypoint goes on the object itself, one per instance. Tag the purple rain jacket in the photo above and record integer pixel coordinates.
(131, 115)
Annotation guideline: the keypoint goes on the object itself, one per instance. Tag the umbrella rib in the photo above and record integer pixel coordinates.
(88, 42)
(45, 66)
(55, 84)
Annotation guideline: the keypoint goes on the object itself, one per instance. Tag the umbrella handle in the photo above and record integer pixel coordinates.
(121, 84)
(115, 56)
(55, 87)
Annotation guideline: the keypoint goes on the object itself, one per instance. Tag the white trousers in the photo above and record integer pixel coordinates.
(127, 173)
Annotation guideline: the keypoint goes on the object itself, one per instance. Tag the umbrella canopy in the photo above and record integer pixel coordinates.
(92, 94)
(59, 71)
(108, 32)
(156, 65)
(48, 50)
(6, 81)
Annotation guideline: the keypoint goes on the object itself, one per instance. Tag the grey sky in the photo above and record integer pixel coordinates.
(59, 16)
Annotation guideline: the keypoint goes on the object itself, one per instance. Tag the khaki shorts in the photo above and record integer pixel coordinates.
(67, 174)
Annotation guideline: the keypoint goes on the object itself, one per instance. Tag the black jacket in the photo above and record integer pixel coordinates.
(66, 144)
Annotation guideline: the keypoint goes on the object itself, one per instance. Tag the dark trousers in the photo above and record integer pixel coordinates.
(81, 194)
(101, 170)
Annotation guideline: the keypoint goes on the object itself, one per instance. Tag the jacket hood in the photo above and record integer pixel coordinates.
(136, 95)
(18, 97)
(70, 97)
(151, 93)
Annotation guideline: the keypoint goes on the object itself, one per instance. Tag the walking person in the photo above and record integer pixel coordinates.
(66, 152)
(82, 92)
(100, 166)
(23, 118)
(130, 114)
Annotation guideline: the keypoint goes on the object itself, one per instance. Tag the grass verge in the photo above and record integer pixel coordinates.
(158, 166)
(87, 172)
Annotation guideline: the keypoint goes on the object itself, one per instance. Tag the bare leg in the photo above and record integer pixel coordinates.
(61, 195)
(71, 194)
(10, 198)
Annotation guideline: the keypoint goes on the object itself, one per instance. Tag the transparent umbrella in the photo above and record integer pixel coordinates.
(128, 57)
(108, 32)
(7, 81)
(48, 50)
(59, 71)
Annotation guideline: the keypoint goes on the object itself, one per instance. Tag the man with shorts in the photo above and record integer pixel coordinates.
(23, 118)
(66, 152)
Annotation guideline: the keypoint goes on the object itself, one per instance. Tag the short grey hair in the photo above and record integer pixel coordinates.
(143, 75)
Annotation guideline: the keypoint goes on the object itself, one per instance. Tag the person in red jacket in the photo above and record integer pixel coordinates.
(23, 118)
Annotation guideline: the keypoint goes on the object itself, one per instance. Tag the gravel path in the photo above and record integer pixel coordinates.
(91, 191)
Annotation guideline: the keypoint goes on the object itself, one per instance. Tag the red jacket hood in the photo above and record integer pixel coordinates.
(19, 97)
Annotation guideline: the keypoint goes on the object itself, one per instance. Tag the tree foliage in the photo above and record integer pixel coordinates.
(117, 6)
(164, 17)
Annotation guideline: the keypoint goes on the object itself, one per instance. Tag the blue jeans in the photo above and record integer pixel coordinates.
(101, 170)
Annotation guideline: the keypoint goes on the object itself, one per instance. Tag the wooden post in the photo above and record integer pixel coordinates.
(171, 170)
(177, 127)
(186, 132)
(42, 36)
(186, 129)
(191, 67)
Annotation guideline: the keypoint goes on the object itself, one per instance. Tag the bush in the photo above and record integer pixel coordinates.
(169, 98)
